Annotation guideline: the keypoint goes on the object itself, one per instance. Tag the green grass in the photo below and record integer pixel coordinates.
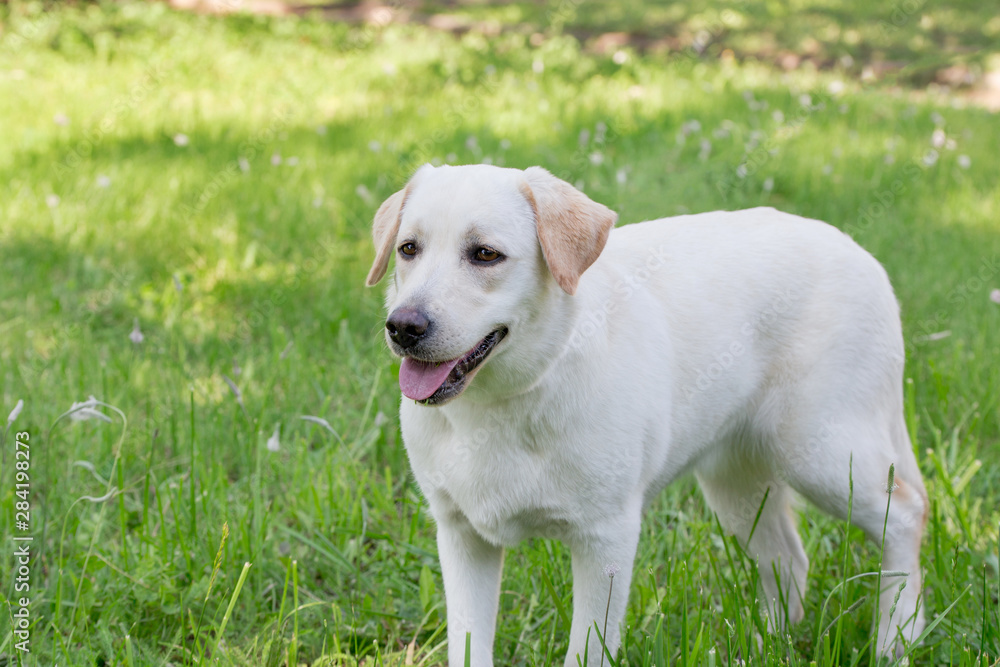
(238, 261)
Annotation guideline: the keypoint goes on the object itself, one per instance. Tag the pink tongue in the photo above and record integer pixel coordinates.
(420, 379)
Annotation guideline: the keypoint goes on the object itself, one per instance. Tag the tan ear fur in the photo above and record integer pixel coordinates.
(386, 227)
(384, 231)
(572, 228)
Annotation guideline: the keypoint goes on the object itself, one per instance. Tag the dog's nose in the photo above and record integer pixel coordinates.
(406, 326)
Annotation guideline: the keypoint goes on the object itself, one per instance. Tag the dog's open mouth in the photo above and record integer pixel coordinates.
(431, 383)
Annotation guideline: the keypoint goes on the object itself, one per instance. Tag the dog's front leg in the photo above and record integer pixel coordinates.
(602, 573)
(471, 568)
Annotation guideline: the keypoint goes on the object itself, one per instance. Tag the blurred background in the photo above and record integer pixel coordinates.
(186, 194)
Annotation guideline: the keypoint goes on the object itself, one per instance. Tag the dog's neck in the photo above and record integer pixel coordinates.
(527, 357)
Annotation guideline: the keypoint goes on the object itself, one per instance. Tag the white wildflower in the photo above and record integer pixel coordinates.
(835, 87)
(611, 569)
(690, 127)
(930, 158)
(52, 200)
(273, 444)
(777, 116)
(938, 138)
(964, 161)
(537, 66)
(584, 137)
(621, 176)
(60, 119)
(292, 161)
(597, 158)
(317, 420)
(620, 57)
(107, 496)
(136, 335)
(15, 412)
(365, 194)
(706, 150)
(178, 285)
(237, 393)
(86, 410)
(995, 296)
(805, 100)
(244, 164)
(103, 181)
(181, 139)
(375, 146)
(471, 142)
(276, 159)
(380, 419)
(505, 144)
(768, 184)
(322, 422)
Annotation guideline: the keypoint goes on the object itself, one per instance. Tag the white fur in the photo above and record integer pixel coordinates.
(756, 349)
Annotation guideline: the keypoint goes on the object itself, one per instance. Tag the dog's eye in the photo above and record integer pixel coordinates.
(487, 255)
(408, 249)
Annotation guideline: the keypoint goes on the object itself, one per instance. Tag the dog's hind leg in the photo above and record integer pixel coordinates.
(857, 453)
(754, 505)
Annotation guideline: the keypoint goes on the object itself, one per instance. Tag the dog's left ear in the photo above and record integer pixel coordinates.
(572, 228)
(385, 228)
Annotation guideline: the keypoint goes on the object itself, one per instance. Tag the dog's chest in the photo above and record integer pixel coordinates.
(509, 480)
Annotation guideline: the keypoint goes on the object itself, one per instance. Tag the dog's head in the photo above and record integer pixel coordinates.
(481, 252)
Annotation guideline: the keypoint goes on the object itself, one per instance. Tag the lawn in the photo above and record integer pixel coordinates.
(185, 206)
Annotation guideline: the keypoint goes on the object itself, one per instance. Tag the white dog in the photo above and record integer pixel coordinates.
(557, 373)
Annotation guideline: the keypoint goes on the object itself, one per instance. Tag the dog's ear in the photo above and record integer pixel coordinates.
(572, 228)
(385, 228)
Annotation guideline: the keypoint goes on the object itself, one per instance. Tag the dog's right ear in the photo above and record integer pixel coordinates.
(572, 228)
(385, 228)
